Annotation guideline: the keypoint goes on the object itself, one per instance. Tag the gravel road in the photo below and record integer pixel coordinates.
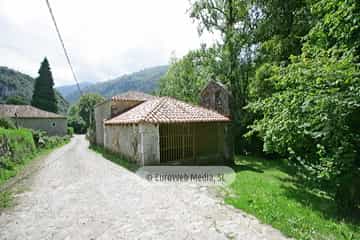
(77, 194)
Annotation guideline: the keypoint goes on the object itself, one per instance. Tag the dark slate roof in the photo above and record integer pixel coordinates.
(166, 110)
(25, 111)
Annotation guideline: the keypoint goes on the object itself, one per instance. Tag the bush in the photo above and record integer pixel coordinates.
(70, 131)
(15, 146)
(38, 136)
(348, 193)
(78, 124)
(313, 118)
(42, 140)
(7, 123)
(16, 100)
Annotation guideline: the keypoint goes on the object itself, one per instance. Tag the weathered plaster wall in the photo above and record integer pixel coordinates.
(53, 126)
(137, 143)
(150, 144)
(125, 140)
(102, 111)
(107, 110)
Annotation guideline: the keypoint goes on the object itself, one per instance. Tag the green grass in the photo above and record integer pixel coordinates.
(114, 157)
(5, 199)
(267, 190)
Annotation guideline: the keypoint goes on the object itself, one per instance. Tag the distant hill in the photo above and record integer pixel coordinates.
(14, 83)
(146, 80)
(67, 90)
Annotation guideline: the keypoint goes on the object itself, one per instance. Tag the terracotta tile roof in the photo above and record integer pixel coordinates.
(25, 111)
(167, 110)
(133, 96)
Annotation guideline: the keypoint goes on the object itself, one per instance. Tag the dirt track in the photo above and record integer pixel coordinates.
(78, 194)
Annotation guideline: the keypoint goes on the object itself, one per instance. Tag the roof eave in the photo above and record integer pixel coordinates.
(167, 122)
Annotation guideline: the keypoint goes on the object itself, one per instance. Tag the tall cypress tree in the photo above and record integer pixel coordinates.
(44, 94)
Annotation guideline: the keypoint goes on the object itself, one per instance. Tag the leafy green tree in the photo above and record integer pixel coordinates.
(262, 85)
(279, 27)
(232, 21)
(44, 95)
(86, 106)
(229, 18)
(338, 27)
(16, 100)
(311, 116)
(75, 121)
(187, 76)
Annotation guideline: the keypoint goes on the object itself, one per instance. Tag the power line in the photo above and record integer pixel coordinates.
(63, 46)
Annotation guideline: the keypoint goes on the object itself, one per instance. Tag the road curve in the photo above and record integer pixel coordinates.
(77, 194)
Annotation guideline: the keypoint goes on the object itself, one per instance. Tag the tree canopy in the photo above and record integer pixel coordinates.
(44, 94)
(86, 106)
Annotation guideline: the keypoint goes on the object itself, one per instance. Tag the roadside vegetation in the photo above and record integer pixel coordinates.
(18, 147)
(269, 190)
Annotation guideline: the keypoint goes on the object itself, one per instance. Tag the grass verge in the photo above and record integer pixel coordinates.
(115, 158)
(267, 190)
(5, 199)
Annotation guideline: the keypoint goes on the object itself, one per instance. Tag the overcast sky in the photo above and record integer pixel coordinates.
(105, 39)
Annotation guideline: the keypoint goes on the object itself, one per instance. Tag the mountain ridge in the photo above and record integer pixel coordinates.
(146, 80)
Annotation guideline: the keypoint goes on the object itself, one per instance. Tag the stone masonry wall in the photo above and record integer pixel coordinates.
(137, 143)
(150, 144)
(216, 98)
(125, 140)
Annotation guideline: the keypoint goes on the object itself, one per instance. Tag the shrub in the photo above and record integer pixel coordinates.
(70, 131)
(78, 124)
(16, 100)
(7, 123)
(348, 193)
(313, 119)
(42, 140)
(38, 137)
(15, 146)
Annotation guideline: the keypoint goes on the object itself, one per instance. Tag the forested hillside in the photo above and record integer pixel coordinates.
(19, 85)
(146, 80)
(67, 90)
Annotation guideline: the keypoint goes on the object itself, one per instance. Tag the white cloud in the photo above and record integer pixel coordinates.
(104, 38)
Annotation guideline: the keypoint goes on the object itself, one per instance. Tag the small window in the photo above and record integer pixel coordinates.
(53, 124)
